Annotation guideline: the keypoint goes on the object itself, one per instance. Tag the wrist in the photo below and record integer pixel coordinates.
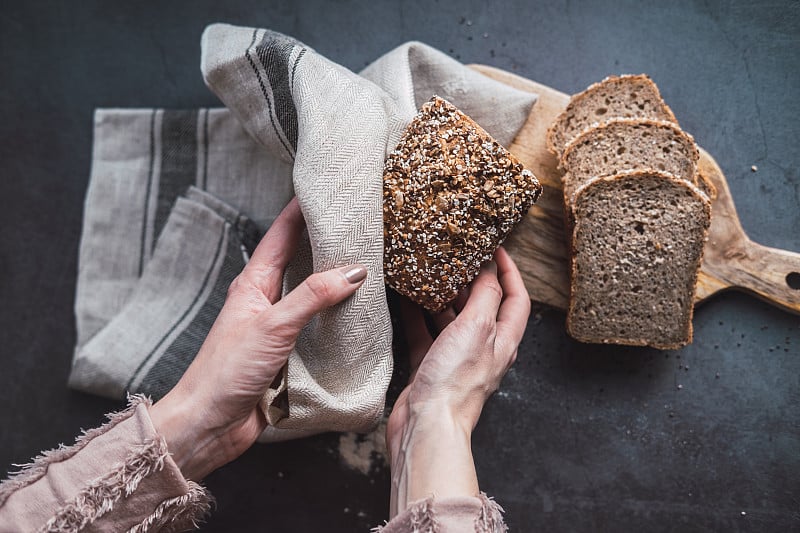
(193, 447)
(439, 413)
(433, 427)
(431, 455)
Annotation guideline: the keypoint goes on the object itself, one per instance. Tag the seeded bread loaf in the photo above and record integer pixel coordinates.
(636, 249)
(628, 96)
(451, 195)
(628, 144)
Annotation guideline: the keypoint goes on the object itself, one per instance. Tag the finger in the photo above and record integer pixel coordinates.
(461, 300)
(512, 317)
(319, 291)
(275, 250)
(442, 319)
(485, 295)
(416, 333)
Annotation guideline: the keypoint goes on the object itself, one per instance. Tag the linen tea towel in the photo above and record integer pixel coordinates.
(326, 132)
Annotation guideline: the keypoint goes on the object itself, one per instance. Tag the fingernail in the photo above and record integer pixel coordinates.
(355, 273)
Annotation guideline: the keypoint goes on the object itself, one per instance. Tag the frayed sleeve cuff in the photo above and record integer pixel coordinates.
(118, 477)
(450, 515)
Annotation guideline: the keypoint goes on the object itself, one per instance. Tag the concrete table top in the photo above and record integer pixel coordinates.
(580, 437)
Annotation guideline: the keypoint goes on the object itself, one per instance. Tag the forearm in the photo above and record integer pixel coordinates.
(432, 458)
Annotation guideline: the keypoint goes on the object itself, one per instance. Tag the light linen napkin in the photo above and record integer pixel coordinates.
(177, 200)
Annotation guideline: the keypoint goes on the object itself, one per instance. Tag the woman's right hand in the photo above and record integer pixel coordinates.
(452, 376)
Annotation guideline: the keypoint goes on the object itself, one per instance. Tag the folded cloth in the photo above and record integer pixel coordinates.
(152, 339)
(154, 264)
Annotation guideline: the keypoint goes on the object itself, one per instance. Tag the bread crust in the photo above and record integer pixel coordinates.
(706, 186)
(576, 100)
(639, 173)
(599, 127)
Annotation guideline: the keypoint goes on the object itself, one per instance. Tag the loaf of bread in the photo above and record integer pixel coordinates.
(628, 144)
(637, 245)
(628, 96)
(451, 195)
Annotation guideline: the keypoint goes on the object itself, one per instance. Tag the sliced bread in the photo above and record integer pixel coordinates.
(628, 144)
(627, 96)
(636, 250)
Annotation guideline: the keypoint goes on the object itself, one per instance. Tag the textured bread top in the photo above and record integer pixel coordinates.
(627, 96)
(638, 243)
(628, 144)
(451, 196)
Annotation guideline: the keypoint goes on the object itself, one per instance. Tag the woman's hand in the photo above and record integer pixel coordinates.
(429, 430)
(212, 415)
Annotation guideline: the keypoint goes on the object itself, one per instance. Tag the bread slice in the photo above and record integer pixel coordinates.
(451, 195)
(627, 96)
(628, 144)
(636, 251)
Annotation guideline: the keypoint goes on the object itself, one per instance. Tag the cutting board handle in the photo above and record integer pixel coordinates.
(769, 273)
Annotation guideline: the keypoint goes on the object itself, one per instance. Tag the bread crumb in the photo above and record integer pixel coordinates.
(364, 453)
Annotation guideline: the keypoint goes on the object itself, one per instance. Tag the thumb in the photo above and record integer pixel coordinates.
(319, 291)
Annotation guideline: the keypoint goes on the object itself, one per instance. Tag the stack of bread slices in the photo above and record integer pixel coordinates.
(637, 214)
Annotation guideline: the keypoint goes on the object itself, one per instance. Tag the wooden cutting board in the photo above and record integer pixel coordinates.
(731, 260)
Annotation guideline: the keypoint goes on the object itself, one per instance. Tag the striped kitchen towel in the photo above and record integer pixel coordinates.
(178, 199)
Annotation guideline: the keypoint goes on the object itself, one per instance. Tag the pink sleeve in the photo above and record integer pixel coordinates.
(450, 515)
(117, 477)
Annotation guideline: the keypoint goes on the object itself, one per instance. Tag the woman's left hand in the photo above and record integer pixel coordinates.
(212, 415)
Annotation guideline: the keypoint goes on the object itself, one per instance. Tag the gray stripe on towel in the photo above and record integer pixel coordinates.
(143, 243)
(274, 52)
(178, 161)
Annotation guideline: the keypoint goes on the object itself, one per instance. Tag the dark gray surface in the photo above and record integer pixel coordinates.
(581, 438)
